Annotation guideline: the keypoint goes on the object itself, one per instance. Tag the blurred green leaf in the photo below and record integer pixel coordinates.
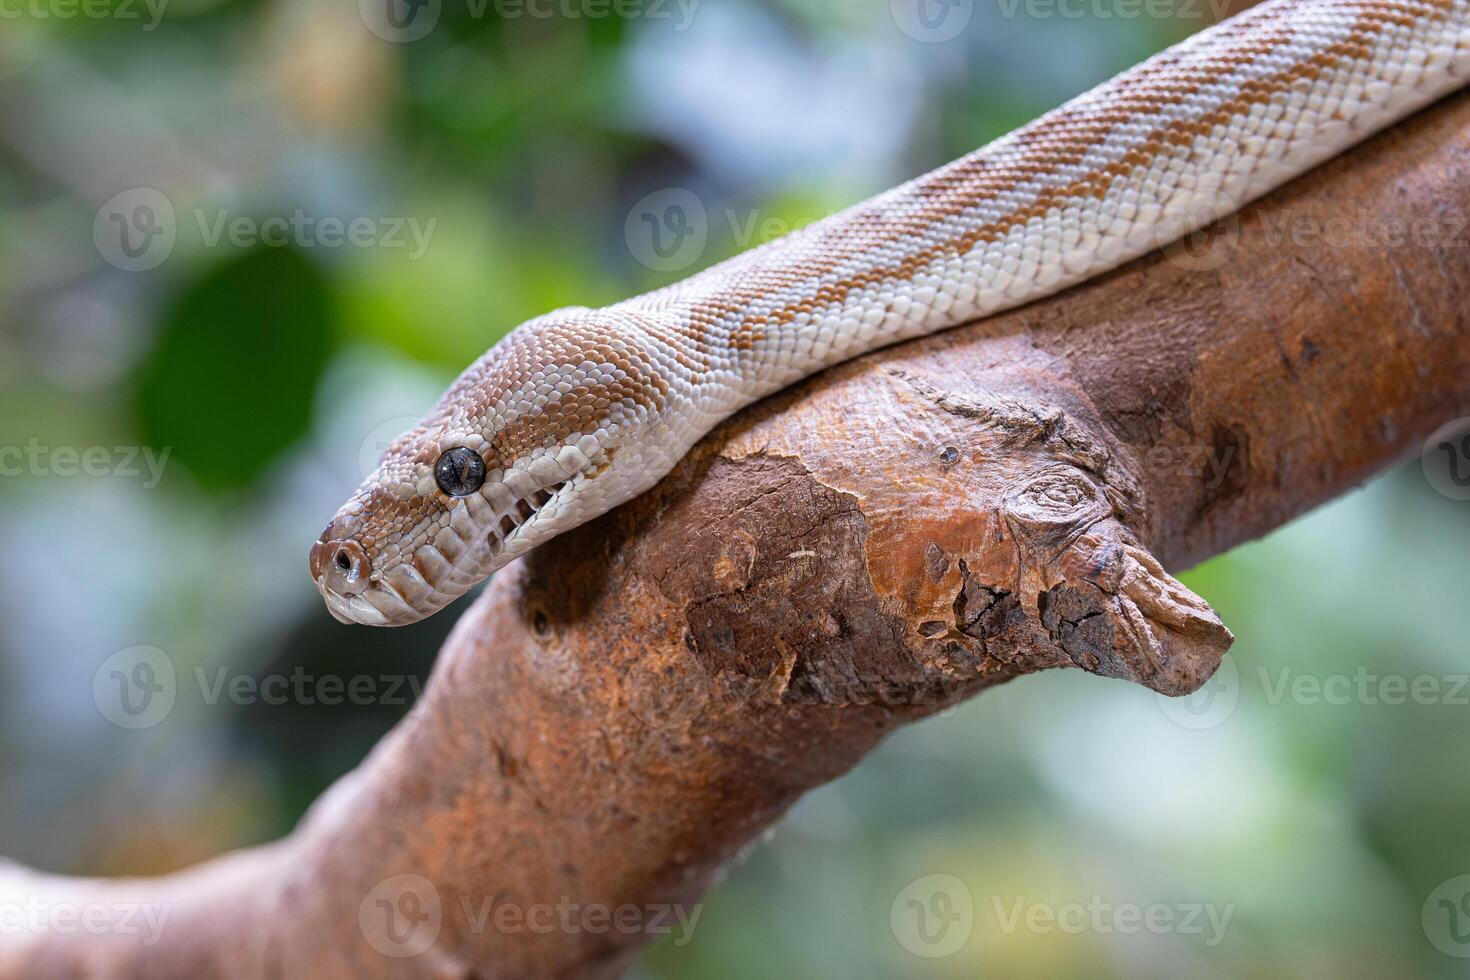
(230, 383)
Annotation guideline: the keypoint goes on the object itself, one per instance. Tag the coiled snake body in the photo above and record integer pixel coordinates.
(580, 410)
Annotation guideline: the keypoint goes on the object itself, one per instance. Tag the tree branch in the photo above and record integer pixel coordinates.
(623, 711)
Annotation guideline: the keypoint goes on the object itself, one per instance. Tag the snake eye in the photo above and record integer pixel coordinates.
(460, 472)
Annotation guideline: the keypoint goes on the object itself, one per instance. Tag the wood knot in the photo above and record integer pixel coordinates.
(1058, 498)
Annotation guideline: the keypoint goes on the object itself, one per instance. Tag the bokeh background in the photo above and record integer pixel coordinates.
(188, 391)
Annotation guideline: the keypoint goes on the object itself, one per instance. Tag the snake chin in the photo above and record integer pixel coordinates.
(382, 602)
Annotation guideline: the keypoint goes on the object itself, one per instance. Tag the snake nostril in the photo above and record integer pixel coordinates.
(341, 566)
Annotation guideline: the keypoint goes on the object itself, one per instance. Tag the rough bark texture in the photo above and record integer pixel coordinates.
(622, 712)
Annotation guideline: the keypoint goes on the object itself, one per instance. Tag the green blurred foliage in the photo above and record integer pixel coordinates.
(230, 382)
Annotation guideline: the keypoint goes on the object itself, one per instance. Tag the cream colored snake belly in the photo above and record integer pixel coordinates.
(580, 410)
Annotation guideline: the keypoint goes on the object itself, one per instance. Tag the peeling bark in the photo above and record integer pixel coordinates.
(624, 710)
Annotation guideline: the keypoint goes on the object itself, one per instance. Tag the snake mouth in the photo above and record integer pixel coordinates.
(495, 528)
(403, 596)
(505, 531)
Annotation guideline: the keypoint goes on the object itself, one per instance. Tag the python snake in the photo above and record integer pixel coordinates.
(580, 410)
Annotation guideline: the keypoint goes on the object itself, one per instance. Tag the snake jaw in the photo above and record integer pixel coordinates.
(454, 543)
(353, 610)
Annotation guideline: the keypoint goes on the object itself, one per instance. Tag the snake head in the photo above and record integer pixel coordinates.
(519, 450)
